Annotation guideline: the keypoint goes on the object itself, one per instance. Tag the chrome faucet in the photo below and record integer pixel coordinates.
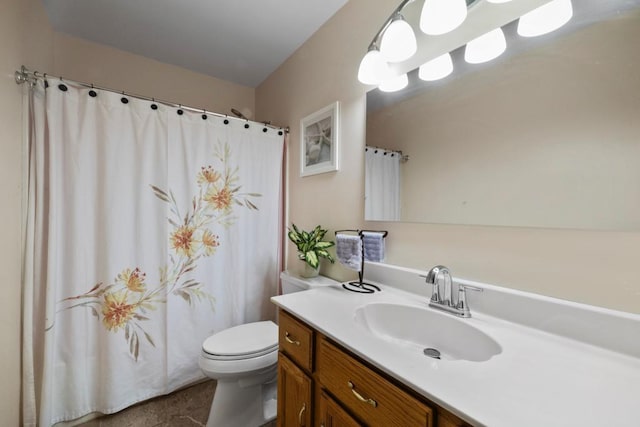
(444, 300)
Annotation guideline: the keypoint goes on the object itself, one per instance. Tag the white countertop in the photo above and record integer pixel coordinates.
(539, 379)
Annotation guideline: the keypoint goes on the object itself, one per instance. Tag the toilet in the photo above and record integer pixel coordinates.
(243, 360)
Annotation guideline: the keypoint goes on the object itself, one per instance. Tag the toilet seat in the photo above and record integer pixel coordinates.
(242, 342)
(241, 350)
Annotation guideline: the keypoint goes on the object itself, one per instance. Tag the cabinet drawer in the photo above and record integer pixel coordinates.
(369, 396)
(296, 340)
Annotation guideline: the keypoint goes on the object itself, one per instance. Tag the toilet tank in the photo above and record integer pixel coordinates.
(292, 282)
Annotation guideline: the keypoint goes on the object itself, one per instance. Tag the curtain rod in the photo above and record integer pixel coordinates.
(403, 157)
(24, 75)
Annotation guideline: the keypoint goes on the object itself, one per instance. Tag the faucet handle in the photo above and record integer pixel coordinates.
(473, 288)
(462, 297)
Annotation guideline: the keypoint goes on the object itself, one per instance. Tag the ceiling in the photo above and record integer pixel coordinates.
(241, 41)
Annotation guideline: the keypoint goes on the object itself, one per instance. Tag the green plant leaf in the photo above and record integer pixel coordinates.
(310, 245)
(324, 254)
(312, 259)
(324, 245)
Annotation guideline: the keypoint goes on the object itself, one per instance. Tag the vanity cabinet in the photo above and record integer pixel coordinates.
(331, 414)
(321, 384)
(294, 394)
(295, 383)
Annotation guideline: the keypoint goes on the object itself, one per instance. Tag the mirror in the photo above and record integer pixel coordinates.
(547, 135)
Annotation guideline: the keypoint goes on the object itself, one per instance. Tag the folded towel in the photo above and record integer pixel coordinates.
(373, 246)
(349, 251)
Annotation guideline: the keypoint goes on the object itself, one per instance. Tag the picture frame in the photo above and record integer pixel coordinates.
(319, 147)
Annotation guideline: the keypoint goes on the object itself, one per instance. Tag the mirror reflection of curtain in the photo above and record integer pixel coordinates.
(382, 185)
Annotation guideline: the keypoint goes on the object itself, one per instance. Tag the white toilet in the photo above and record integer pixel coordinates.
(243, 360)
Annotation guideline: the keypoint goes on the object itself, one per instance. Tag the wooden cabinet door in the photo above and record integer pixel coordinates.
(294, 395)
(332, 415)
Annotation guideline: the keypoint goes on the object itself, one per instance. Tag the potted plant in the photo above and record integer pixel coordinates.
(311, 248)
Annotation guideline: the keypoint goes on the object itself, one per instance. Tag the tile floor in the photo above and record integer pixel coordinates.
(188, 407)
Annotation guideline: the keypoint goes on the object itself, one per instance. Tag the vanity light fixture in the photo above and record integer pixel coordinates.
(436, 69)
(395, 84)
(398, 40)
(395, 41)
(546, 18)
(442, 16)
(373, 68)
(486, 47)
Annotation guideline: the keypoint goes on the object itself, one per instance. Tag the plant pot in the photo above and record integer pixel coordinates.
(309, 271)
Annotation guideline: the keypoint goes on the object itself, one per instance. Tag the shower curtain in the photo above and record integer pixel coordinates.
(382, 185)
(148, 229)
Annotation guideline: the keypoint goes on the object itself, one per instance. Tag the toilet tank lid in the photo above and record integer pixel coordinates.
(246, 339)
(307, 283)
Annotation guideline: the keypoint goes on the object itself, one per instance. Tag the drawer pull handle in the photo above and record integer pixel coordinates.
(289, 340)
(360, 397)
(304, 407)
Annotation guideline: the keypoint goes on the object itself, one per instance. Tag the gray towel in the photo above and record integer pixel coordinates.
(373, 246)
(349, 251)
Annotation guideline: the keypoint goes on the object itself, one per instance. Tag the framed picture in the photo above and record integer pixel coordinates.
(319, 141)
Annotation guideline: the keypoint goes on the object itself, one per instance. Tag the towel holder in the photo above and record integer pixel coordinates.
(361, 286)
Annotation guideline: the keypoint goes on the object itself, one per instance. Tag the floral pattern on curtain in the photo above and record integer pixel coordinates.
(147, 231)
(125, 303)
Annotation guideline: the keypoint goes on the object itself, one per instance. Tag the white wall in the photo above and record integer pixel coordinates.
(598, 268)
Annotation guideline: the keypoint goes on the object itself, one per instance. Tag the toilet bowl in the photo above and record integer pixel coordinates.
(243, 360)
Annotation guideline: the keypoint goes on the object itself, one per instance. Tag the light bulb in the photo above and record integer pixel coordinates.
(546, 18)
(441, 16)
(394, 84)
(436, 69)
(486, 47)
(398, 41)
(373, 68)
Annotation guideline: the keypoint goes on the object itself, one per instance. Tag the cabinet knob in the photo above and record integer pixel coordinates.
(289, 340)
(360, 397)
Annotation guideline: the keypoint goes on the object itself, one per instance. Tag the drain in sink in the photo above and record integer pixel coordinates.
(432, 352)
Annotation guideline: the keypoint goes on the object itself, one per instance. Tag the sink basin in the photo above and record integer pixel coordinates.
(419, 328)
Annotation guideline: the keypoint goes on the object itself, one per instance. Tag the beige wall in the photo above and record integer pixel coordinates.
(11, 54)
(23, 40)
(89, 62)
(26, 38)
(598, 268)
